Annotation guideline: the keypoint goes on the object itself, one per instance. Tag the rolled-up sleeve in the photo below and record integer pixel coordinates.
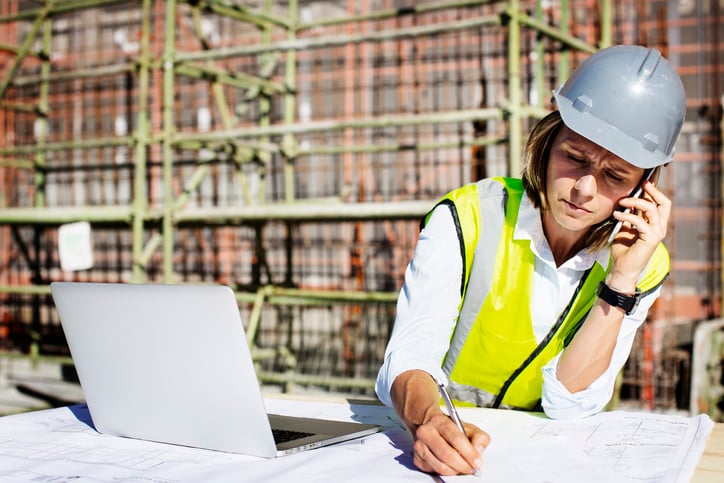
(426, 307)
(559, 403)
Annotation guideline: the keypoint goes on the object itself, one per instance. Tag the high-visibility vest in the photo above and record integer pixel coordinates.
(494, 359)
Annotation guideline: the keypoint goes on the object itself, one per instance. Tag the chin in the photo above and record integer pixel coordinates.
(575, 226)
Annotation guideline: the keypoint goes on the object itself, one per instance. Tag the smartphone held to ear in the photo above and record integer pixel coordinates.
(636, 193)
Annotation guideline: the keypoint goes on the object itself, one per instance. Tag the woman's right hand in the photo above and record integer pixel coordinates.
(439, 445)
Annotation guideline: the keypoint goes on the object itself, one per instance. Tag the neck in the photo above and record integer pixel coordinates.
(563, 243)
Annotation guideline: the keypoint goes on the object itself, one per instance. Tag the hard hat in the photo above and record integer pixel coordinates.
(627, 99)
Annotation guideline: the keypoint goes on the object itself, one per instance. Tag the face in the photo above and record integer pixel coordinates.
(583, 184)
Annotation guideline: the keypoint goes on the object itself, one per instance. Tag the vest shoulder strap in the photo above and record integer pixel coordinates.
(463, 203)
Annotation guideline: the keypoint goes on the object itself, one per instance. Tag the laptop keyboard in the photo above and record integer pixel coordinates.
(284, 435)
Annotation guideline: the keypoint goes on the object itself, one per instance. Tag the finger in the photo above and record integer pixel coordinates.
(439, 458)
(662, 202)
(631, 220)
(637, 230)
(462, 445)
(634, 228)
(643, 211)
(640, 204)
(656, 216)
(478, 438)
(440, 446)
(426, 460)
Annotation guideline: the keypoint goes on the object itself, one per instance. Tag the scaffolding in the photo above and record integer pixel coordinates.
(289, 149)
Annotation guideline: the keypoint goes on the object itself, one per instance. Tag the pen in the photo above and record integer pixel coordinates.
(451, 411)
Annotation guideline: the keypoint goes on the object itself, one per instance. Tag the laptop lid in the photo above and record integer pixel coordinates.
(170, 363)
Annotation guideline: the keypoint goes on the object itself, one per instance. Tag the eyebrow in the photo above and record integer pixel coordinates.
(571, 144)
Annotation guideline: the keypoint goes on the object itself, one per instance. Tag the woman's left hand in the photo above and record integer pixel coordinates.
(644, 227)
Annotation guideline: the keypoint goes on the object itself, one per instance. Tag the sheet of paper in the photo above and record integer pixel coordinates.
(61, 445)
(75, 248)
(609, 447)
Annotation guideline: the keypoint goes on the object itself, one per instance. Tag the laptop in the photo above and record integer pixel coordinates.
(170, 363)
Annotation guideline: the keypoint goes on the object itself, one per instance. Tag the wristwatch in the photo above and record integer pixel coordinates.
(617, 299)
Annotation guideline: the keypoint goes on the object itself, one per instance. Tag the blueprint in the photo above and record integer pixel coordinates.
(61, 445)
(609, 447)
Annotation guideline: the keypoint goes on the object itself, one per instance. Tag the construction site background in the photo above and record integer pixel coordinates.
(289, 150)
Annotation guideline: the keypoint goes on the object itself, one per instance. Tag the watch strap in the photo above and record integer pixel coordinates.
(618, 299)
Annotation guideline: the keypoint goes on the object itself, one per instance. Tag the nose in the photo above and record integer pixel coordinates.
(586, 184)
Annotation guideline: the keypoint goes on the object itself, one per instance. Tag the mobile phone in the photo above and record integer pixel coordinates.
(636, 193)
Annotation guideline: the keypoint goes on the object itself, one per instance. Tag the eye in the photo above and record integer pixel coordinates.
(576, 159)
(613, 176)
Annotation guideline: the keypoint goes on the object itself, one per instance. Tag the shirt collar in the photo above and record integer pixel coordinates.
(530, 227)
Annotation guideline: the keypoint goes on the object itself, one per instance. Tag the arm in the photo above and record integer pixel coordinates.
(559, 403)
(426, 314)
(590, 353)
(426, 307)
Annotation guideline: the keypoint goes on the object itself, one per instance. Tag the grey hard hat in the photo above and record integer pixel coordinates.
(627, 99)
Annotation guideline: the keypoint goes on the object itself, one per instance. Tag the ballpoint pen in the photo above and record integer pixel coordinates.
(452, 412)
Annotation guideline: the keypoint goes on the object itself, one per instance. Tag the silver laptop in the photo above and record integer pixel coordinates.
(170, 363)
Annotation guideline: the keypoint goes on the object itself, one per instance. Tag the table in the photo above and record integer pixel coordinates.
(619, 446)
(711, 466)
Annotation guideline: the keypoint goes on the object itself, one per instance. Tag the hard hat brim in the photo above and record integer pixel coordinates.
(608, 136)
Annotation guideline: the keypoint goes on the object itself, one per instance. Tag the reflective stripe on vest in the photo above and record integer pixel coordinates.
(489, 354)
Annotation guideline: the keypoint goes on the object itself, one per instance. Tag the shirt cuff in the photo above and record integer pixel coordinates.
(396, 365)
(559, 403)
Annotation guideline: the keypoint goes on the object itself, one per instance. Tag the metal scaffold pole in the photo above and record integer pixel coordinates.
(143, 140)
(515, 122)
(169, 57)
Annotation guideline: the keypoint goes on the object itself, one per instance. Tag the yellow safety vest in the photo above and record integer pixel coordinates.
(494, 359)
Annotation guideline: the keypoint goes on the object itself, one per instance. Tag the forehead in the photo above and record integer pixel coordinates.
(573, 139)
(570, 140)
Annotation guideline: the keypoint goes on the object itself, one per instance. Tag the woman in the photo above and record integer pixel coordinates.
(527, 293)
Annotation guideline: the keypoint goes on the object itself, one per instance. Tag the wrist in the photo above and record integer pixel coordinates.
(415, 398)
(621, 284)
(624, 301)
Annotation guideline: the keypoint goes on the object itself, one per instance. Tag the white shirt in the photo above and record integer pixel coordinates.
(428, 302)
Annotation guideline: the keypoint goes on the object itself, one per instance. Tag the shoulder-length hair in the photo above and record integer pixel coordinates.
(537, 152)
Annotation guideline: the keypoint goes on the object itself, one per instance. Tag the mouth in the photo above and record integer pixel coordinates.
(575, 208)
